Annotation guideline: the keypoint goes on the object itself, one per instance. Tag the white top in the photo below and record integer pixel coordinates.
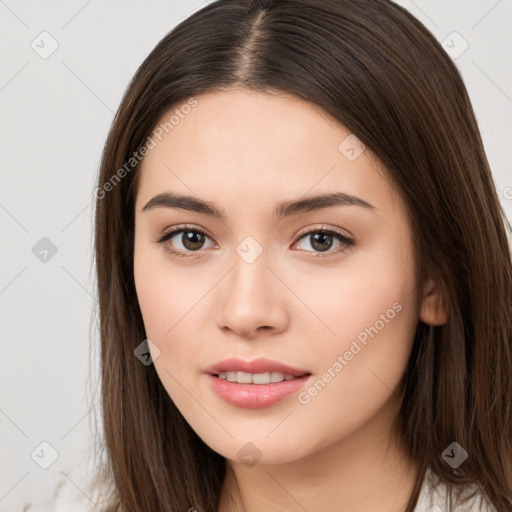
(437, 500)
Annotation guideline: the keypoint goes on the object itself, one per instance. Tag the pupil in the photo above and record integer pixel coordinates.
(192, 240)
(319, 241)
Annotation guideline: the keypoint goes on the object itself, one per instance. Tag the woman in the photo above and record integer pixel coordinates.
(304, 277)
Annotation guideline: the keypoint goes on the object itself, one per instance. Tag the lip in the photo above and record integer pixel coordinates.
(259, 365)
(255, 396)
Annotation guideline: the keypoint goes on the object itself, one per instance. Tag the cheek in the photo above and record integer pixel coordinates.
(171, 301)
(360, 372)
(367, 288)
(166, 306)
(373, 312)
(150, 295)
(163, 292)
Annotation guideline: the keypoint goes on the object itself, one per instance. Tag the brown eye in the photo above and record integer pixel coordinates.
(322, 240)
(192, 240)
(186, 240)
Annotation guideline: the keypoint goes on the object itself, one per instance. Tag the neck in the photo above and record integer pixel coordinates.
(365, 471)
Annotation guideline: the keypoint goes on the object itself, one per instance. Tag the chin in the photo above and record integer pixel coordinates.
(258, 450)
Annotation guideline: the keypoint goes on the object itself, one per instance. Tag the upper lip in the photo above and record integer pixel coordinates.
(259, 365)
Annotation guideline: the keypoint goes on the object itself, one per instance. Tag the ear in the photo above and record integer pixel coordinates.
(432, 311)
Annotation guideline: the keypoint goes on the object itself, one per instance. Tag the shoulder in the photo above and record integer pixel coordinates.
(435, 498)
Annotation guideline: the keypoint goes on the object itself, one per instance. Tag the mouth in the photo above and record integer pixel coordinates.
(257, 378)
(257, 371)
(257, 383)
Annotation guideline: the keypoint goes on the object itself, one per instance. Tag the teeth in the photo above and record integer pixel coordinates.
(277, 376)
(243, 378)
(230, 376)
(255, 378)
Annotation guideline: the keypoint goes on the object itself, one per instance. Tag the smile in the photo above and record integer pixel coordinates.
(255, 378)
(255, 384)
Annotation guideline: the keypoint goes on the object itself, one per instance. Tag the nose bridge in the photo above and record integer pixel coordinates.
(250, 298)
(250, 276)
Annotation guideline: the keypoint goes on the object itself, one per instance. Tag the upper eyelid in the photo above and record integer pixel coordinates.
(177, 229)
(348, 240)
(306, 231)
(323, 227)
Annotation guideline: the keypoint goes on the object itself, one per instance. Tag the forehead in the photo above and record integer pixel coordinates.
(256, 147)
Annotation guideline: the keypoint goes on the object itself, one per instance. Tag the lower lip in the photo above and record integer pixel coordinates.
(255, 396)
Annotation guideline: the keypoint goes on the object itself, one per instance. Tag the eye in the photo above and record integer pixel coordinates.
(322, 240)
(191, 240)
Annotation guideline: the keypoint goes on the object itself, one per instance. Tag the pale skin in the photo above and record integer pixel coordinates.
(245, 152)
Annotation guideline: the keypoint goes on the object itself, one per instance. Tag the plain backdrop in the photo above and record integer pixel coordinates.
(64, 67)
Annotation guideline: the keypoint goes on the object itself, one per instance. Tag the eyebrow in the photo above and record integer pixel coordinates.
(281, 210)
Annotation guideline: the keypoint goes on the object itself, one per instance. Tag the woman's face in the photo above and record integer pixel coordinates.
(340, 307)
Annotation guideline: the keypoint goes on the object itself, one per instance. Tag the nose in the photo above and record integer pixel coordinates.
(252, 300)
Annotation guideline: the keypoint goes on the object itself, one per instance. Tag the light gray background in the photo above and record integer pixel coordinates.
(56, 112)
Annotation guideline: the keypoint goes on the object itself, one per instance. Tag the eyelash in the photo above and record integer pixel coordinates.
(346, 241)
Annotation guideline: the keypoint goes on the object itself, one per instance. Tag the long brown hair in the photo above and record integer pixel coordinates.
(375, 68)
